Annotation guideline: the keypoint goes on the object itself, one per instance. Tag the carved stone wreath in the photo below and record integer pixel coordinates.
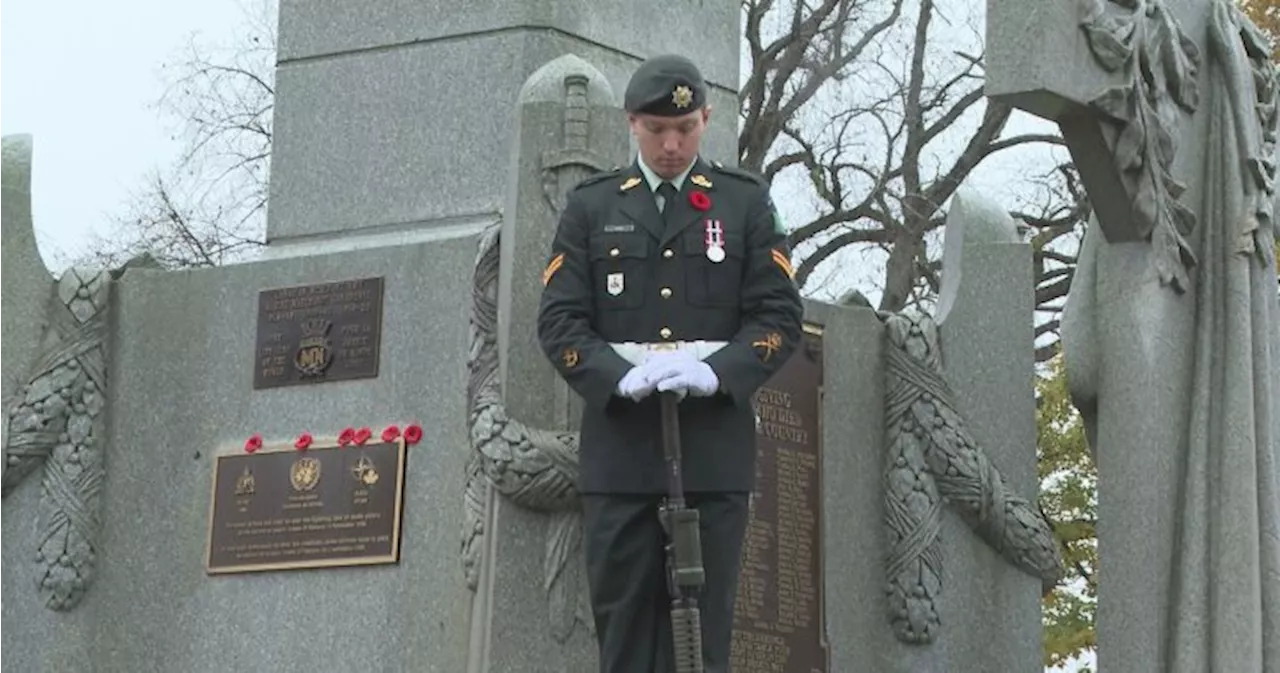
(536, 469)
(57, 420)
(931, 458)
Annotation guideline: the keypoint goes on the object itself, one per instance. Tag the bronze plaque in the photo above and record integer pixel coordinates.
(326, 506)
(778, 621)
(318, 333)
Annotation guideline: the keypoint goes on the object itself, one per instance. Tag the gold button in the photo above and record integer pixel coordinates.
(614, 252)
(665, 332)
(665, 292)
(668, 253)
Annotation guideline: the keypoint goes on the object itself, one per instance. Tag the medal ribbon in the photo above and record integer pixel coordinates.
(715, 234)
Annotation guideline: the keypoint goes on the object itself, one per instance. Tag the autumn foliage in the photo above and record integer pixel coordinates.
(1266, 14)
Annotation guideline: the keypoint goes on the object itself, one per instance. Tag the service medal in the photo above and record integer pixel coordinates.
(715, 241)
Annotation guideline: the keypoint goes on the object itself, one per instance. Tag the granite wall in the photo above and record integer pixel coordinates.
(181, 392)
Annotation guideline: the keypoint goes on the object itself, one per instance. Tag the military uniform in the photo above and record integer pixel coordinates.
(709, 273)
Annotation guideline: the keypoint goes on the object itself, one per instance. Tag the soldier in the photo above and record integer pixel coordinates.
(671, 274)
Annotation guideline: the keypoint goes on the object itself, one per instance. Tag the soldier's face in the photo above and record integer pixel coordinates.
(669, 144)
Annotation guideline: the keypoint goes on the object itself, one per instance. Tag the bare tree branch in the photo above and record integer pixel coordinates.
(786, 75)
(835, 245)
(208, 207)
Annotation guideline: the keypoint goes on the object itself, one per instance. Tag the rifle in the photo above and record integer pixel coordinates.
(685, 574)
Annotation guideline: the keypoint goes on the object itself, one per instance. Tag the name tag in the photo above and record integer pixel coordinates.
(619, 228)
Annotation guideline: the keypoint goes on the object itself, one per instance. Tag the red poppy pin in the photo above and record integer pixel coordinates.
(413, 434)
(253, 443)
(303, 442)
(347, 436)
(390, 434)
(700, 201)
(362, 435)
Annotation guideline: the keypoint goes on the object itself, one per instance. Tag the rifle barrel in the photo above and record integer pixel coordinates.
(671, 447)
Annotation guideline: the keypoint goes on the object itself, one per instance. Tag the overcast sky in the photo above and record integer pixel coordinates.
(81, 76)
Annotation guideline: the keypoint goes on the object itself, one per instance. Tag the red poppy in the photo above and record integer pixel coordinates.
(700, 200)
(304, 441)
(347, 436)
(362, 436)
(253, 443)
(413, 434)
(390, 434)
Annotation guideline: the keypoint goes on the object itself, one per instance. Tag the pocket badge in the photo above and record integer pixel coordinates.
(614, 284)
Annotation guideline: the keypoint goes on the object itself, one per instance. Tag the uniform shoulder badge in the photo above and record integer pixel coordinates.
(630, 182)
(701, 181)
(597, 177)
(740, 174)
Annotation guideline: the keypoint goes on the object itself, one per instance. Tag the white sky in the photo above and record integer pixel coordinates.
(81, 76)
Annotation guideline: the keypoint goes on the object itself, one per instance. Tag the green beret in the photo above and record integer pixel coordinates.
(666, 86)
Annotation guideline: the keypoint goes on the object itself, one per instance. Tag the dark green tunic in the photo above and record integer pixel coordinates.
(621, 271)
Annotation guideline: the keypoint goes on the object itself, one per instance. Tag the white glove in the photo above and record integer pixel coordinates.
(685, 374)
(635, 384)
(641, 380)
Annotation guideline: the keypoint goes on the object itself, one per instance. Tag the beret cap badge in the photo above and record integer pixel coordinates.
(667, 85)
(682, 97)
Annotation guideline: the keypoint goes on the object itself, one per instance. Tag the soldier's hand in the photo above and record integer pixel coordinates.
(685, 374)
(635, 384)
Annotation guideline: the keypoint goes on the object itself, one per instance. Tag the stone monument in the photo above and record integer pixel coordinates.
(1172, 327)
(196, 472)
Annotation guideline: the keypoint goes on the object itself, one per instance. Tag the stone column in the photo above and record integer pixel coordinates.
(27, 285)
(990, 608)
(394, 118)
(522, 534)
(933, 549)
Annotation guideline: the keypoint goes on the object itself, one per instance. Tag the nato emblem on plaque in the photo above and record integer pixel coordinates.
(315, 352)
(364, 472)
(614, 284)
(304, 474)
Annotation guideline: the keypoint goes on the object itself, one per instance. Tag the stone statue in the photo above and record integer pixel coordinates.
(1171, 331)
(1180, 391)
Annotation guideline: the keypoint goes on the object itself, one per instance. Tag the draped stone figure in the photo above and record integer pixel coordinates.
(1171, 331)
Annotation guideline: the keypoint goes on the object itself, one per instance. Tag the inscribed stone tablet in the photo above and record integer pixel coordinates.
(326, 506)
(318, 333)
(778, 622)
